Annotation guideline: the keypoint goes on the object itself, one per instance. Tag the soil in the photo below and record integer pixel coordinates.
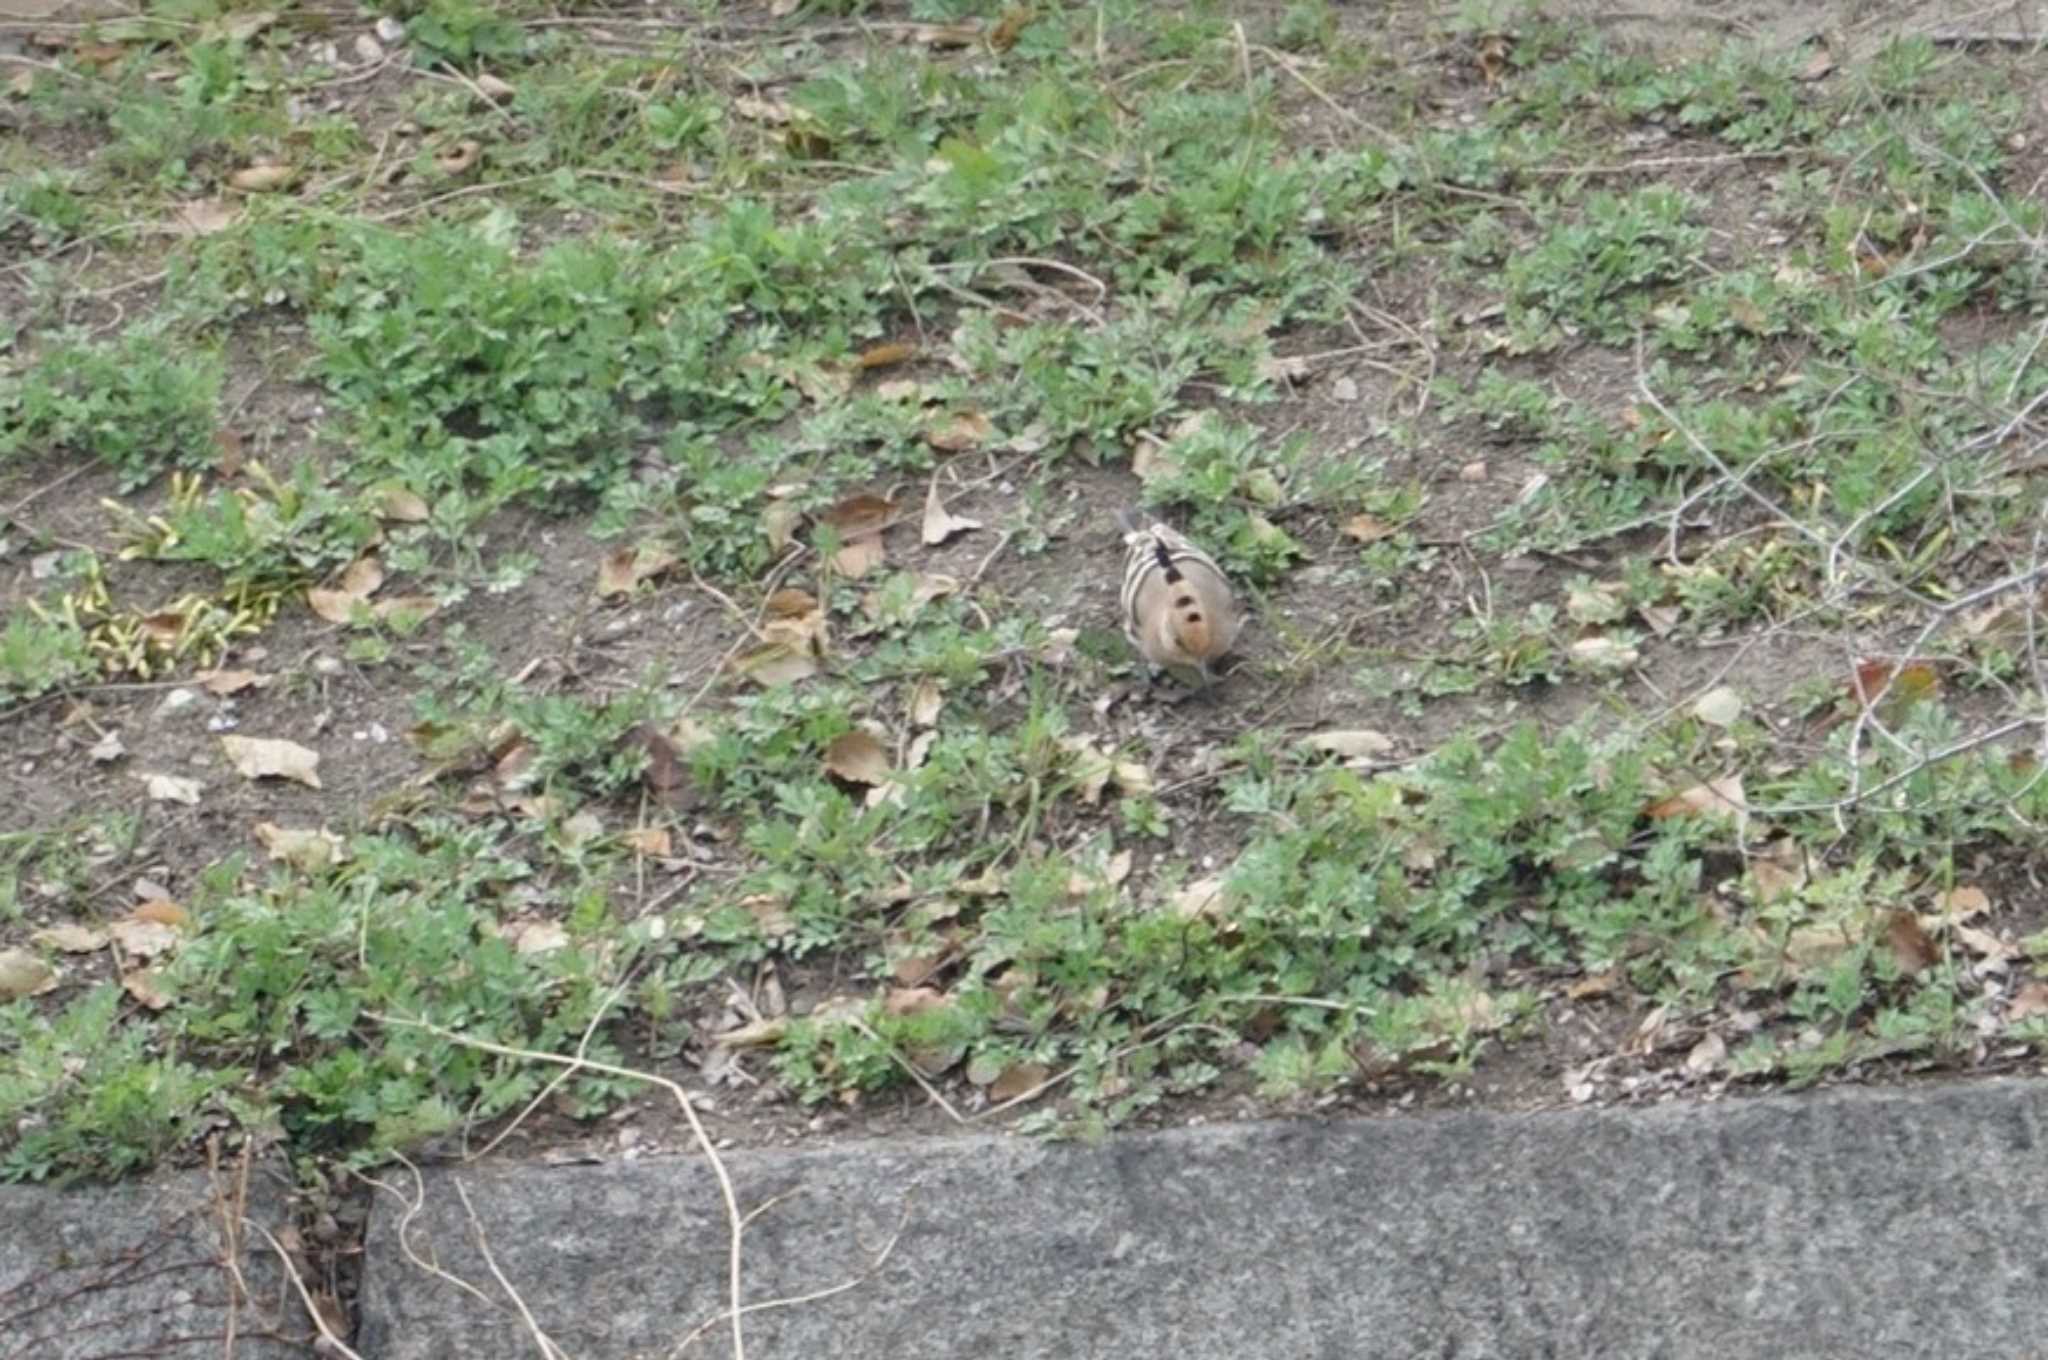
(552, 630)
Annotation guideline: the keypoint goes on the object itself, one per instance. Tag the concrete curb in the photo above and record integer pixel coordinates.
(1853, 1224)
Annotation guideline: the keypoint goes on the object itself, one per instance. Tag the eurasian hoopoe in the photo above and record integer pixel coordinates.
(1178, 609)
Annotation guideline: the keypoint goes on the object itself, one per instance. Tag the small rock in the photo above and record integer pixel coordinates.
(390, 31)
(177, 701)
(327, 665)
(368, 49)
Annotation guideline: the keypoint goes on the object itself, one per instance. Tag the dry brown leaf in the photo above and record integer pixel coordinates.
(536, 937)
(262, 178)
(1818, 66)
(913, 1000)
(161, 910)
(165, 628)
(70, 938)
(1595, 602)
(1986, 945)
(858, 758)
(664, 772)
(858, 557)
(170, 788)
(770, 913)
(305, 849)
(1018, 1080)
(790, 603)
(1661, 618)
(859, 521)
(1092, 767)
(142, 938)
(622, 571)
(401, 506)
(1358, 743)
(229, 442)
(778, 663)
(1152, 460)
(459, 157)
(926, 699)
(792, 618)
(205, 216)
(1810, 947)
(885, 355)
(968, 429)
(929, 586)
(362, 577)
(1778, 870)
(779, 523)
(1367, 528)
(941, 36)
(224, 683)
(533, 807)
(1010, 27)
(273, 758)
(755, 109)
(1961, 904)
(1896, 686)
(939, 523)
(1912, 950)
(913, 969)
(2031, 1000)
(23, 974)
(414, 607)
(1595, 985)
(901, 389)
(495, 87)
(1603, 653)
(338, 603)
(1715, 798)
(1205, 897)
(1132, 778)
(652, 841)
(755, 1033)
(146, 986)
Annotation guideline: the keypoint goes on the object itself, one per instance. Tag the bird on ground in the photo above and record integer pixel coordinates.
(1178, 608)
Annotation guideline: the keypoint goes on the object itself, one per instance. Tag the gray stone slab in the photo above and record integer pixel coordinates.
(1856, 1224)
(65, 10)
(140, 1269)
